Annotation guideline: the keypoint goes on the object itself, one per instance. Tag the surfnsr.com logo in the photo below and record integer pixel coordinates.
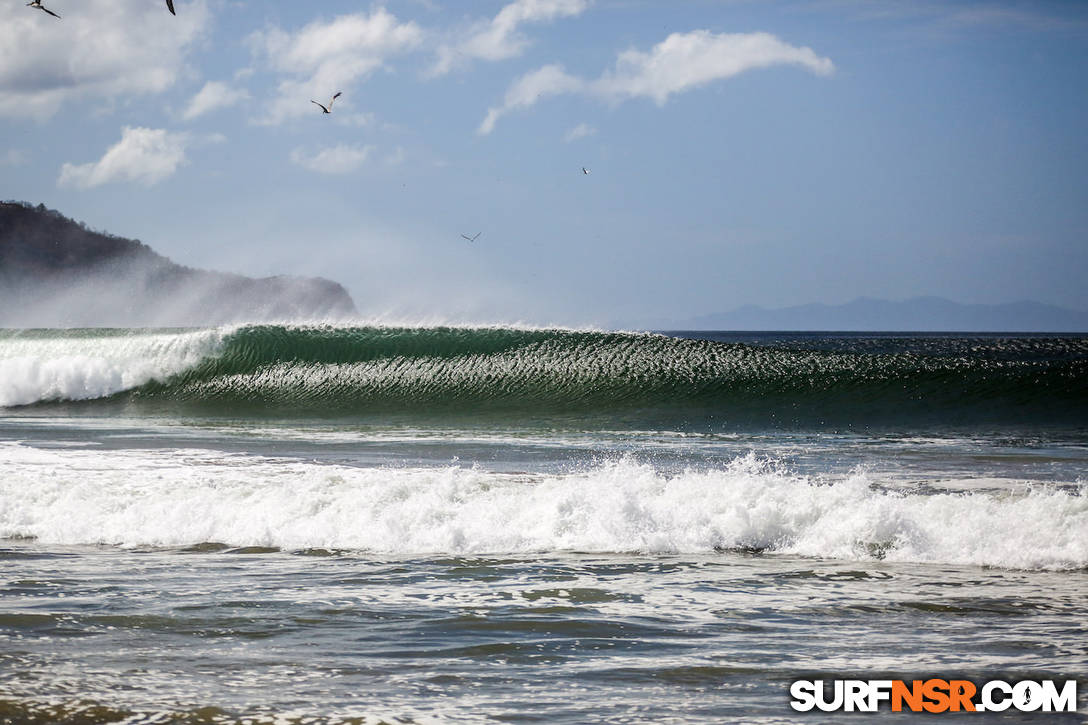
(934, 696)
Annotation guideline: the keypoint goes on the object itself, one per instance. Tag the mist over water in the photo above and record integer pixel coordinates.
(57, 273)
(131, 295)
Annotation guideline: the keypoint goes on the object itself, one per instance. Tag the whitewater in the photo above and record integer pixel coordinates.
(367, 523)
(189, 497)
(40, 365)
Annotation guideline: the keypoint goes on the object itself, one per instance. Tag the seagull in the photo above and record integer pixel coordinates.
(327, 109)
(170, 6)
(471, 239)
(38, 4)
(585, 170)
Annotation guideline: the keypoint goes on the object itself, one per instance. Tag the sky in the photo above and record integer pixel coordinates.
(763, 152)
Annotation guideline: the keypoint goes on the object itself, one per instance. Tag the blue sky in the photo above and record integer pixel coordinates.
(763, 152)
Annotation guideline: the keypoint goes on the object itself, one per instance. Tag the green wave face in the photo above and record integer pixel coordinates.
(472, 371)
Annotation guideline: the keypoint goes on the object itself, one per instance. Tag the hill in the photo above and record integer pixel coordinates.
(55, 272)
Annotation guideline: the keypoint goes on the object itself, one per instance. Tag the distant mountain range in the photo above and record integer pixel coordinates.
(931, 314)
(55, 272)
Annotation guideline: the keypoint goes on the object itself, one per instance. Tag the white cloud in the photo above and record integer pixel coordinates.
(340, 159)
(102, 49)
(550, 80)
(580, 131)
(688, 60)
(325, 57)
(679, 63)
(213, 96)
(499, 38)
(143, 155)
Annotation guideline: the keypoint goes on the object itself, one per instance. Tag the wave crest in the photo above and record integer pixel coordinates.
(38, 366)
(430, 370)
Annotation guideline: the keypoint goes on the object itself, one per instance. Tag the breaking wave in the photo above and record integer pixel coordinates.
(182, 498)
(40, 365)
(429, 370)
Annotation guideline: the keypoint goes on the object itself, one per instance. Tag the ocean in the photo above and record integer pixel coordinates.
(333, 524)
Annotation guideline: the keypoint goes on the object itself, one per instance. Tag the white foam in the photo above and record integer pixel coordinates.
(84, 365)
(182, 497)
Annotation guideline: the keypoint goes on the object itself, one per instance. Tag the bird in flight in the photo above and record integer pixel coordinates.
(585, 170)
(170, 6)
(471, 239)
(38, 4)
(326, 109)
